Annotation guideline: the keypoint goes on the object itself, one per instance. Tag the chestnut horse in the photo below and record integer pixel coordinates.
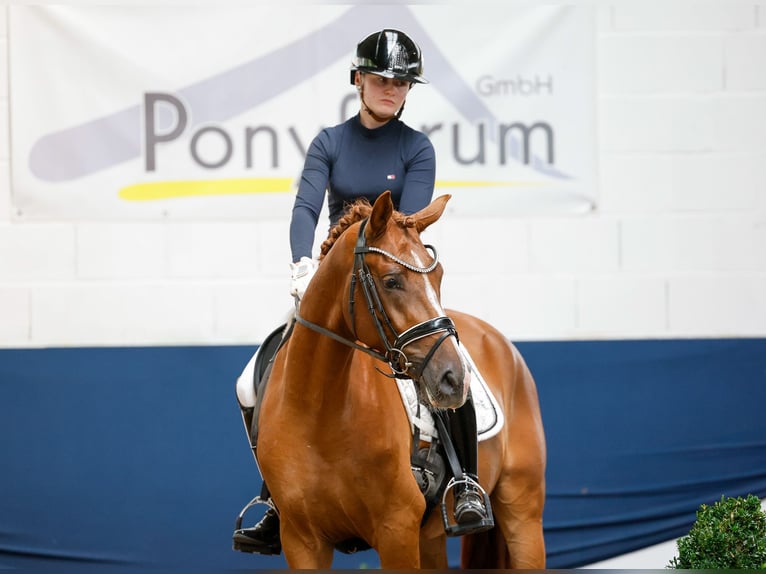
(334, 440)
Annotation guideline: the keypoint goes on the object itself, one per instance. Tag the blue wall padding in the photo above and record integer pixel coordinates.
(137, 456)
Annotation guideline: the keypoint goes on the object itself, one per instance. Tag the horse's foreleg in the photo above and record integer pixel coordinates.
(397, 541)
(433, 543)
(526, 546)
(520, 521)
(433, 553)
(303, 550)
(399, 553)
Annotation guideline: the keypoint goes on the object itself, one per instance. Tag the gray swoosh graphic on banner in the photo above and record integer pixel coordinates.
(461, 95)
(103, 142)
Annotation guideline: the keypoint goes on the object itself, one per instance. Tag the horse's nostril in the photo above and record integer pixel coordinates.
(449, 384)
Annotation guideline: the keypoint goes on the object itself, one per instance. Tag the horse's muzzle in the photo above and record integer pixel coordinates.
(444, 384)
(453, 386)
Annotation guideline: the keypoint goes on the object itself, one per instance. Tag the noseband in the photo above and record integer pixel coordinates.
(394, 353)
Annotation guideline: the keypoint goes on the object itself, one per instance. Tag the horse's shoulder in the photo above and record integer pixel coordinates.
(472, 327)
(494, 353)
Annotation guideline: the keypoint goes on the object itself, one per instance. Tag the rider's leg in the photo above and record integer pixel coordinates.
(470, 504)
(263, 538)
(245, 389)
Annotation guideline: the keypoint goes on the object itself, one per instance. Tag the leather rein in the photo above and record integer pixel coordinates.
(394, 353)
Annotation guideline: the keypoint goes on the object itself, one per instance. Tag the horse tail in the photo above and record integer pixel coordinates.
(485, 550)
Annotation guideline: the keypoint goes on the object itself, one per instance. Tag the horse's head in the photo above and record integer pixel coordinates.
(392, 299)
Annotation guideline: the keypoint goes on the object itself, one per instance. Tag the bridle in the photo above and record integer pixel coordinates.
(394, 353)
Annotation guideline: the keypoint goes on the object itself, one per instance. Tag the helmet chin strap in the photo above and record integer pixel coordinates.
(373, 115)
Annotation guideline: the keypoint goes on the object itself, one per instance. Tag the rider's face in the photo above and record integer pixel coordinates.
(384, 95)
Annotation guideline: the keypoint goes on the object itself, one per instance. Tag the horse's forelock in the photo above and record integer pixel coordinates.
(407, 221)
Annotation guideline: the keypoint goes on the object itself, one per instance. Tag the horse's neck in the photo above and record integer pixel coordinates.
(315, 363)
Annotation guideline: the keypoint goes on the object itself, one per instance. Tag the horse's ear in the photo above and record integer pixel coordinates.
(381, 213)
(430, 213)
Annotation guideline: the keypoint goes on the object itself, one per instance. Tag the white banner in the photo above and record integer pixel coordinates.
(206, 112)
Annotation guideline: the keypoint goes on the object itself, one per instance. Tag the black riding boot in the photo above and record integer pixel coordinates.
(472, 511)
(263, 538)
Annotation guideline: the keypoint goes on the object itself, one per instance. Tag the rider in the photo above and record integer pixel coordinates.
(371, 152)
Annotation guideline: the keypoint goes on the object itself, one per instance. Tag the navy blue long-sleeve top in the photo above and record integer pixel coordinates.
(350, 161)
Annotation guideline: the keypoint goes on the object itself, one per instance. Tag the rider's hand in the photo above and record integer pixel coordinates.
(301, 274)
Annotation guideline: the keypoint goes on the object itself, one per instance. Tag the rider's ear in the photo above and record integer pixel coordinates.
(381, 213)
(430, 213)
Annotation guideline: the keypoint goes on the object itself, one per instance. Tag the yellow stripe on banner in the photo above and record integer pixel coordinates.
(197, 188)
(445, 183)
(174, 189)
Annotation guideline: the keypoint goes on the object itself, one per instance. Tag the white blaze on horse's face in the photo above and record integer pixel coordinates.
(429, 290)
(433, 299)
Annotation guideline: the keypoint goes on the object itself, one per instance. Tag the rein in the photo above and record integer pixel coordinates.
(394, 354)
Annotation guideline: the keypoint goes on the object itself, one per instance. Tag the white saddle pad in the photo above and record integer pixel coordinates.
(489, 415)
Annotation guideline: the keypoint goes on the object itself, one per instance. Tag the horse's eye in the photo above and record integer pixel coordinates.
(391, 282)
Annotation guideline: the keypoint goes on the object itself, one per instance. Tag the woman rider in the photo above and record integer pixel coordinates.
(371, 152)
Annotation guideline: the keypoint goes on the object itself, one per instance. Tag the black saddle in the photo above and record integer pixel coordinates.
(263, 361)
(266, 355)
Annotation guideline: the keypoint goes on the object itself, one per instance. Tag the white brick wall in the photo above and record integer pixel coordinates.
(676, 248)
(683, 16)
(744, 56)
(651, 63)
(5, 172)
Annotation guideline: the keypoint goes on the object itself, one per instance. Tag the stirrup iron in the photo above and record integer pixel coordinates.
(456, 529)
(257, 500)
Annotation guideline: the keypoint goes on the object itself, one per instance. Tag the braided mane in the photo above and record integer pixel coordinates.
(357, 211)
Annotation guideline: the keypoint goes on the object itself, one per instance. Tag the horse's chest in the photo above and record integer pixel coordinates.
(336, 448)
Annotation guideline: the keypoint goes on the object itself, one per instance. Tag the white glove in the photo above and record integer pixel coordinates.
(302, 272)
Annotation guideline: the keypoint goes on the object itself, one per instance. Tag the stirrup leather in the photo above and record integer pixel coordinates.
(456, 529)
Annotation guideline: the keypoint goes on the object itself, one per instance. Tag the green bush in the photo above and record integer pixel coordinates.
(730, 534)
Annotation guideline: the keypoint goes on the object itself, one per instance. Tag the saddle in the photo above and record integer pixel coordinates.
(263, 361)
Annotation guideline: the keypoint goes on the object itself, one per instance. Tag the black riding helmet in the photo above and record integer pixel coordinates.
(391, 54)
